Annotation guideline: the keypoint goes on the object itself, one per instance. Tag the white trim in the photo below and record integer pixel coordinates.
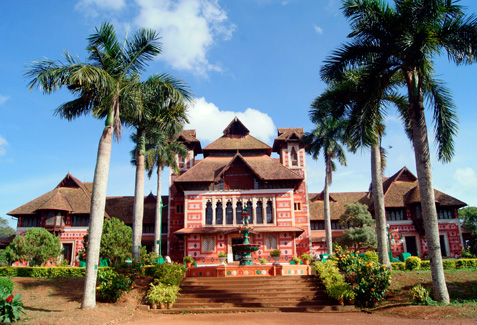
(456, 221)
(446, 243)
(417, 239)
(69, 229)
(399, 222)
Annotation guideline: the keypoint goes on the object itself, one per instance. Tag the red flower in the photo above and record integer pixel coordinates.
(10, 298)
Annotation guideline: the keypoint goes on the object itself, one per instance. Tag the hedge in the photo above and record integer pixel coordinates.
(43, 272)
(461, 263)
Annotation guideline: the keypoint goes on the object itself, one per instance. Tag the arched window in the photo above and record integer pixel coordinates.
(250, 211)
(219, 214)
(229, 213)
(259, 212)
(269, 212)
(294, 157)
(208, 213)
(238, 213)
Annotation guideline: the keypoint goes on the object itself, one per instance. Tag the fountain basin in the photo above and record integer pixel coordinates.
(246, 247)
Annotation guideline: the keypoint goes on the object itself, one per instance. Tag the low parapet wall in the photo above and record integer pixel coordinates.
(225, 270)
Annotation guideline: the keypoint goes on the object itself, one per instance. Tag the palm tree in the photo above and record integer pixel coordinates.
(104, 85)
(164, 104)
(363, 104)
(325, 139)
(163, 153)
(403, 40)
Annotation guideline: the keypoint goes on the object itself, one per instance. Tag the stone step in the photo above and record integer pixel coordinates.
(295, 278)
(261, 290)
(260, 300)
(244, 295)
(301, 309)
(264, 303)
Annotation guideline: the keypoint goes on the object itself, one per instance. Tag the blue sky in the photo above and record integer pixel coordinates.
(257, 59)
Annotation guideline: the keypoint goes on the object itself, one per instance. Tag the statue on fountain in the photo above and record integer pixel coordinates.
(245, 249)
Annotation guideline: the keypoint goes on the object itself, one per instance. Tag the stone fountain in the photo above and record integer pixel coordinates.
(246, 249)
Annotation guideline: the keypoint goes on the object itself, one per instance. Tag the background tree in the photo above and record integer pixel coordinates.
(116, 240)
(164, 105)
(36, 247)
(360, 233)
(103, 86)
(403, 40)
(5, 229)
(326, 139)
(468, 217)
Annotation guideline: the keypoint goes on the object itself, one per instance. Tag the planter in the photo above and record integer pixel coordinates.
(306, 262)
(169, 305)
(153, 306)
(222, 260)
(162, 305)
(188, 264)
(276, 259)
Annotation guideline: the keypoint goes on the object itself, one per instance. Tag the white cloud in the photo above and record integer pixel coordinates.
(91, 7)
(3, 146)
(210, 121)
(466, 178)
(3, 99)
(318, 29)
(392, 118)
(189, 28)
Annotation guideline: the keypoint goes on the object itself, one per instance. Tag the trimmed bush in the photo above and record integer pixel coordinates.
(398, 266)
(448, 264)
(6, 286)
(43, 272)
(169, 274)
(333, 280)
(465, 263)
(425, 265)
(413, 263)
(419, 294)
(371, 256)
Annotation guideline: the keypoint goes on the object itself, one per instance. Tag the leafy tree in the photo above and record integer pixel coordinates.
(37, 247)
(325, 139)
(361, 232)
(105, 86)
(403, 40)
(164, 105)
(116, 240)
(468, 215)
(5, 229)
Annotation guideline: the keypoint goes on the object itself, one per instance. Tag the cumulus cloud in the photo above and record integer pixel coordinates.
(210, 121)
(189, 29)
(466, 177)
(3, 99)
(3, 146)
(318, 29)
(91, 7)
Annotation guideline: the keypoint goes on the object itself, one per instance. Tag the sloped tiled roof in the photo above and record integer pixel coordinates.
(247, 142)
(70, 195)
(121, 207)
(287, 134)
(337, 203)
(264, 167)
(414, 196)
(188, 137)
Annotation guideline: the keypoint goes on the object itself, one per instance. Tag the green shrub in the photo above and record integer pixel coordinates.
(263, 261)
(296, 260)
(150, 258)
(413, 263)
(398, 266)
(419, 294)
(10, 307)
(275, 253)
(37, 246)
(371, 256)
(425, 265)
(305, 257)
(6, 285)
(170, 274)
(448, 264)
(161, 293)
(345, 259)
(333, 280)
(112, 285)
(222, 254)
(188, 259)
(465, 253)
(132, 270)
(43, 272)
(371, 282)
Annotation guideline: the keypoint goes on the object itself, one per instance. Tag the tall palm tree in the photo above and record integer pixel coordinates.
(104, 85)
(363, 104)
(404, 39)
(163, 153)
(325, 139)
(164, 102)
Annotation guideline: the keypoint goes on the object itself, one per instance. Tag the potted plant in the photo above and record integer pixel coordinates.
(275, 254)
(263, 261)
(170, 295)
(188, 260)
(306, 258)
(222, 257)
(155, 296)
(295, 260)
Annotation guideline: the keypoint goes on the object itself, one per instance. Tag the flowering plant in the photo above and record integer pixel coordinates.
(10, 307)
(112, 285)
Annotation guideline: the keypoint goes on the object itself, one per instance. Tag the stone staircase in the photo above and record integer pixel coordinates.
(280, 293)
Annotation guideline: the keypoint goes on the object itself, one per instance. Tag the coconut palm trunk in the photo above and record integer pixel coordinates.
(138, 209)
(326, 204)
(98, 202)
(378, 200)
(426, 189)
(158, 224)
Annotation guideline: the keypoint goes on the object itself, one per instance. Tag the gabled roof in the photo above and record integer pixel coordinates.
(337, 203)
(414, 196)
(121, 207)
(209, 169)
(286, 135)
(69, 195)
(188, 138)
(236, 127)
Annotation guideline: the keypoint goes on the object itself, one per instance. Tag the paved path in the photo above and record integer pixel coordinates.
(288, 319)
